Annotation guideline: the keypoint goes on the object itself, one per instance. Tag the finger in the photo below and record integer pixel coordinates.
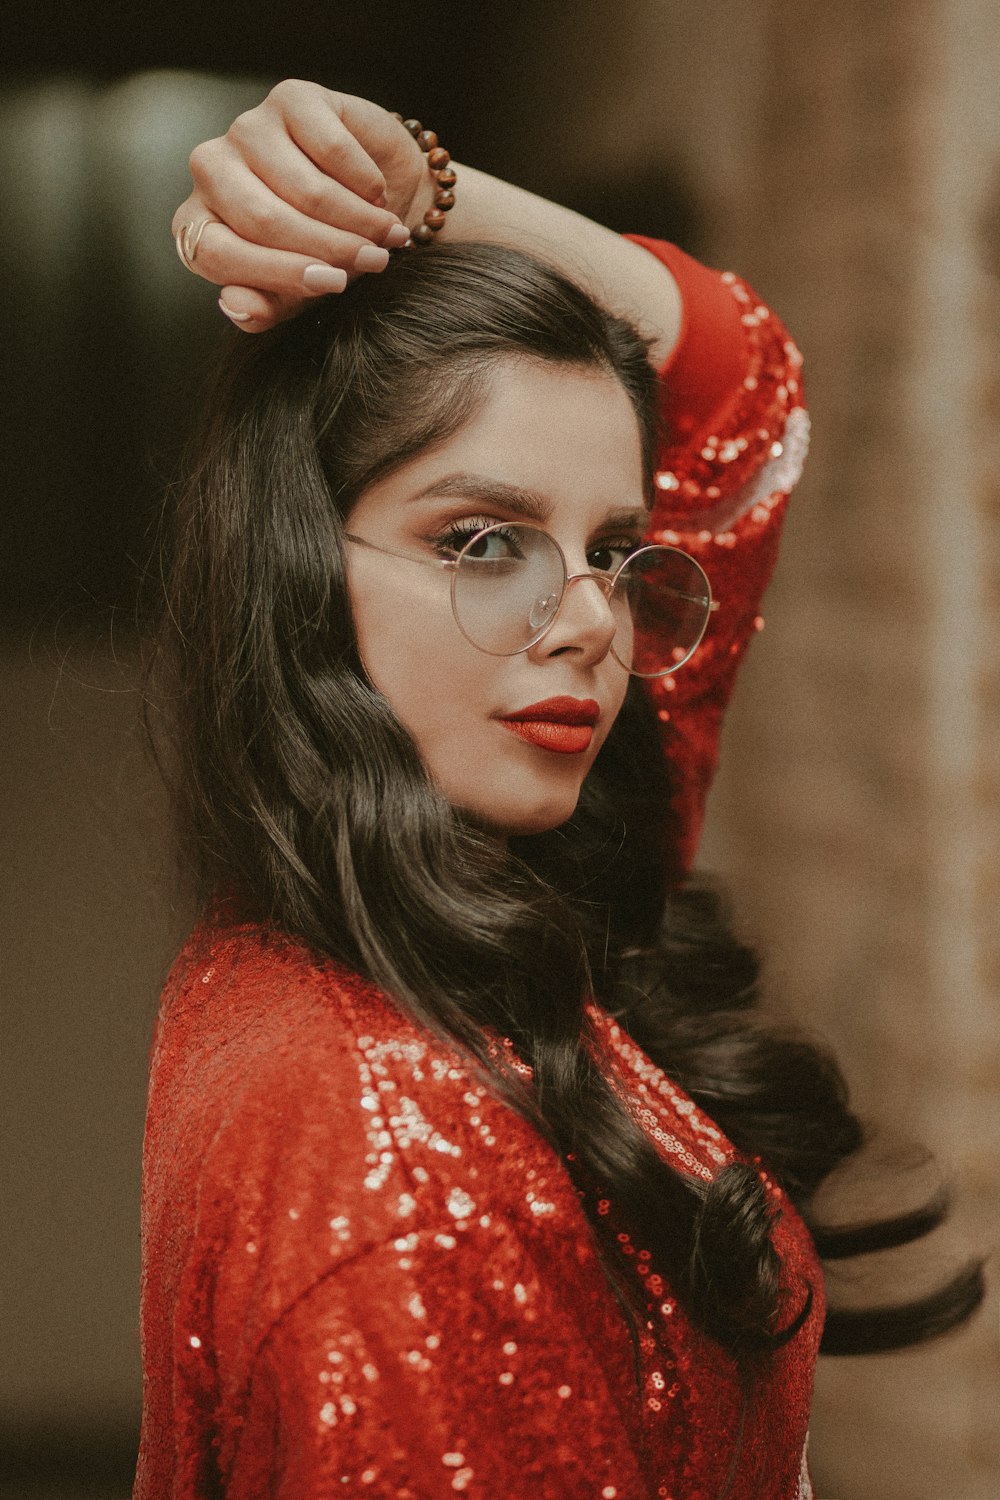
(314, 118)
(277, 197)
(230, 191)
(281, 164)
(254, 311)
(227, 259)
(333, 145)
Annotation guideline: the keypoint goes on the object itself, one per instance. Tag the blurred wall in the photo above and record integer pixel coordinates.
(848, 162)
(857, 813)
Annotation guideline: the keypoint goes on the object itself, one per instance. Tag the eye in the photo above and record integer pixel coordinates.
(608, 556)
(501, 544)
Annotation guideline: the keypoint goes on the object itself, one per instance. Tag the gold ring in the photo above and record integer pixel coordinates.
(188, 238)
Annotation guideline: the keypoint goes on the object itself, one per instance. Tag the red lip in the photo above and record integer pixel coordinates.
(558, 711)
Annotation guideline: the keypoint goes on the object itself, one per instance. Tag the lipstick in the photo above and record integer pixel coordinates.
(565, 725)
(567, 739)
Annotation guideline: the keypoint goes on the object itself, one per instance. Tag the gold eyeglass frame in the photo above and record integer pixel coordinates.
(605, 583)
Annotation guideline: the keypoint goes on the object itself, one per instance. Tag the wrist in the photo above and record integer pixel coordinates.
(430, 207)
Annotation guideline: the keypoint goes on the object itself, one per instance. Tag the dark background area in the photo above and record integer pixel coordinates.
(95, 407)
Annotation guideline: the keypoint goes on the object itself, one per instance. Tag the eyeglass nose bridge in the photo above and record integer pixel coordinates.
(601, 579)
(605, 584)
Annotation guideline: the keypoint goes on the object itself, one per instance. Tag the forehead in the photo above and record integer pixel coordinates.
(551, 442)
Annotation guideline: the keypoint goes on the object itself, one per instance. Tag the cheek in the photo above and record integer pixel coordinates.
(393, 623)
(414, 654)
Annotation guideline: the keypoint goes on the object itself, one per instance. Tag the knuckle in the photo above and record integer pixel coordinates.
(315, 202)
(337, 148)
(376, 225)
(202, 158)
(261, 221)
(243, 126)
(290, 91)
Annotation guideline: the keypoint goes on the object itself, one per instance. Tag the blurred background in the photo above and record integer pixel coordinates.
(846, 159)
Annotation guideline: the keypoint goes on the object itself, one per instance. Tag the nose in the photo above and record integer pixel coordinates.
(584, 622)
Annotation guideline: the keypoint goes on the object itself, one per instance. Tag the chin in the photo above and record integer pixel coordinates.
(523, 819)
(519, 801)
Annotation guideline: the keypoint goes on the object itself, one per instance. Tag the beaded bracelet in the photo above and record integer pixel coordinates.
(439, 162)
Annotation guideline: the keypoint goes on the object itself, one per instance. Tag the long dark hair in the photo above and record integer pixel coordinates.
(300, 791)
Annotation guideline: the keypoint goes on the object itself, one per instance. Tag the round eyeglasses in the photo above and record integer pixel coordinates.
(508, 582)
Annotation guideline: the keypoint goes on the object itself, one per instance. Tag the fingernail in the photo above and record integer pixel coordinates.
(371, 258)
(397, 237)
(319, 278)
(236, 317)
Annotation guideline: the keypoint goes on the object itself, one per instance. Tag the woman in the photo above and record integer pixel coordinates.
(467, 1169)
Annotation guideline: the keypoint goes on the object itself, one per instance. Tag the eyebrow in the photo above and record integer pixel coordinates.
(513, 498)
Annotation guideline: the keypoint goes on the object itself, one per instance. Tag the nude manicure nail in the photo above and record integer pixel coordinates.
(235, 316)
(397, 237)
(320, 278)
(371, 258)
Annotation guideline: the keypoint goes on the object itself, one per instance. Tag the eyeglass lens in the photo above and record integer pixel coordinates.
(510, 581)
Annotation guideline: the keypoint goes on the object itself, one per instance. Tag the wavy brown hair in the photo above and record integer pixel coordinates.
(298, 788)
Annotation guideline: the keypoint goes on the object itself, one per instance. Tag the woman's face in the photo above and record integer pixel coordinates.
(553, 445)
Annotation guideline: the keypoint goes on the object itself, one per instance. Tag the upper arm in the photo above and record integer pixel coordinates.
(735, 435)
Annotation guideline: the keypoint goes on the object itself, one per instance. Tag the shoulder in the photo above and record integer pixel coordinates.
(257, 1076)
(245, 1002)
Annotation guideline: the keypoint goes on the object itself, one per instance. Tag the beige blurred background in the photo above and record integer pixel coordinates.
(846, 159)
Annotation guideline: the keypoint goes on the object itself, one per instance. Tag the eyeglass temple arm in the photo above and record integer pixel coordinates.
(433, 562)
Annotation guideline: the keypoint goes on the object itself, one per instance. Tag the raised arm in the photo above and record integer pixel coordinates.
(314, 187)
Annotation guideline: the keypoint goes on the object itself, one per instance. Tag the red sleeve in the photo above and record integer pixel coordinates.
(735, 435)
(441, 1361)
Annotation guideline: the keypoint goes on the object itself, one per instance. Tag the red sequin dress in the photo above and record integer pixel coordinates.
(364, 1276)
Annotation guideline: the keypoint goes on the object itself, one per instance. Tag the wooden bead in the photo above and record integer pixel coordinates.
(439, 164)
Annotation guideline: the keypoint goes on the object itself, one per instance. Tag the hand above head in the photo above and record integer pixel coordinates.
(313, 187)
(302, 193)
